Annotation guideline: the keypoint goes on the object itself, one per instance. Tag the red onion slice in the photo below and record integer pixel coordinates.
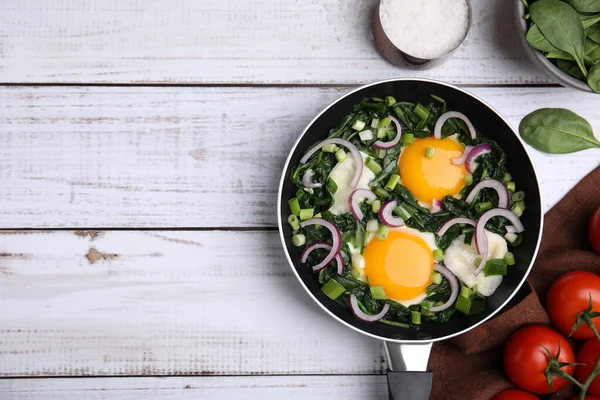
(451, 222)
(492, 184)
(357, 197)
(461, 160)
(341, 142)
(307, 180)
(453, 286)
(474, 154)
(386, 217)
(358, 313)
(437, 132)
(322, 245)
(388, 145)
(336, 240)
(481, 238)
(436, 206)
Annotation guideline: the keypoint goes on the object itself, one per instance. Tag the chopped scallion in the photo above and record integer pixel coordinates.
(381, 192)
(340, 155)
(438, 255)
(392, 182)
(294, 206)
(402, 212)
(358, 261)
(378, 293)
(518, 196)
(357, 273)
(372, 225)
(373, 166)
(435, 277)
(518, 208)
(509, 258)
(299, 240)
(358, 125)
(429, 152)
(421, 111)
(495, 266)
(382, 232)
(333, 289)
(379, 153)
(390, 101)
(415, 317)
(384, 123)
(511, 237)
(375, 206)
(511, 186)
(382, 132)
(294, 222)
(484, 206)
(366, 135)
(468, 179)
(465, 292)
(330, 148)
(374, 123)
(463, 304)
(408, 138)
(306, 213)
(507, 178)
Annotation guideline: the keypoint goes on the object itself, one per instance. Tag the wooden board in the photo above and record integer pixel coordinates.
(164, 303)
(189, 157)
(234, 42)
(352, 387)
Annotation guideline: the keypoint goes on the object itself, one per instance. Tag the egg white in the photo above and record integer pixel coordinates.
(460, 259)
(342, 175)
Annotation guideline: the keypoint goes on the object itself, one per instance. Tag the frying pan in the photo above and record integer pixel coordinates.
(408, 349)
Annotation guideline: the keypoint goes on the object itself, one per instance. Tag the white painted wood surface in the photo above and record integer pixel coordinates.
(190, 157)
(234, 41)
(164, 303)
(193, 388)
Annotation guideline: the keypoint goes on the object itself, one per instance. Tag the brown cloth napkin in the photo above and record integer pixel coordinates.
(469, 367)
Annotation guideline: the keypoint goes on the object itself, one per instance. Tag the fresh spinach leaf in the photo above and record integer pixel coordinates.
(589, 20)
(561, 25)
(585, 6)
(571, 68)
(594, 78)
(593, 32)
(557, 130)
(538, 41)
(592, 53)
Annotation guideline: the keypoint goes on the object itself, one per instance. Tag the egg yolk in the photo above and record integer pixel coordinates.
(401, 264)
(434, 177)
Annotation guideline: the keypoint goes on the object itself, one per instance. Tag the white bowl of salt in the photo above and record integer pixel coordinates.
(420, 33)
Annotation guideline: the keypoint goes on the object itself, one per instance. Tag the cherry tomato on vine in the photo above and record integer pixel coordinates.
(514, 394)
(595, 230)
(568, 296)
(588, 354)
(526, 358)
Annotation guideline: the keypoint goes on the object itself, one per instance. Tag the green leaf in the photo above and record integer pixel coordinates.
(594, 78)
(560, 55)
(587, 6)
(571, 68)
(593, 32)
(589, 20)
(592, 53)
(561, 25)
(538, 41)
(557, 131)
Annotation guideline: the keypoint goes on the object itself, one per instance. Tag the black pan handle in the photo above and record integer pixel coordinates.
(408, 378)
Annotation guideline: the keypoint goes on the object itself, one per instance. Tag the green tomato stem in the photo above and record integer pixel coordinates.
(584, 387)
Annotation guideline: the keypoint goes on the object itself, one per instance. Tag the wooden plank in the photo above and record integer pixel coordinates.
(189, 157)
(234, 41)
(353, 387)
(164, 303)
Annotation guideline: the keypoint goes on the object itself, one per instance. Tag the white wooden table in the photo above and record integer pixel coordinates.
(140, 147)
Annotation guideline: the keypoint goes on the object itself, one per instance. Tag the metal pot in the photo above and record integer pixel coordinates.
(407, 349)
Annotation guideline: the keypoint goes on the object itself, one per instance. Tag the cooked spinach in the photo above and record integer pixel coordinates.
(557, 130)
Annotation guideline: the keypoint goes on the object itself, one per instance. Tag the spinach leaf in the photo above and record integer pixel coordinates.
(594, 78)
(538, 41)
(560, 55)
(592, 53)
(557, 130)
(571, 68)
(593, 32)
(561, 25)
(585, 6)
(589, 20)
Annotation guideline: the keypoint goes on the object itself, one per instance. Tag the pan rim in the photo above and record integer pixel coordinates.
(291, 263)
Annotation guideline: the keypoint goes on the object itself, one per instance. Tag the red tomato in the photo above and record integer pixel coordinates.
(588, 354)
(568, 296)
(595, 230)
(525, 360)
(514, 394)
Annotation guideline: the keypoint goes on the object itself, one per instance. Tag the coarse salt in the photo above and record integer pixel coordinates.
(426, 29)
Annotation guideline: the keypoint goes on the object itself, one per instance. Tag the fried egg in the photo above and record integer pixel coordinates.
(435, 177)
(401, 264)
(342, 174)
(460, 259)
